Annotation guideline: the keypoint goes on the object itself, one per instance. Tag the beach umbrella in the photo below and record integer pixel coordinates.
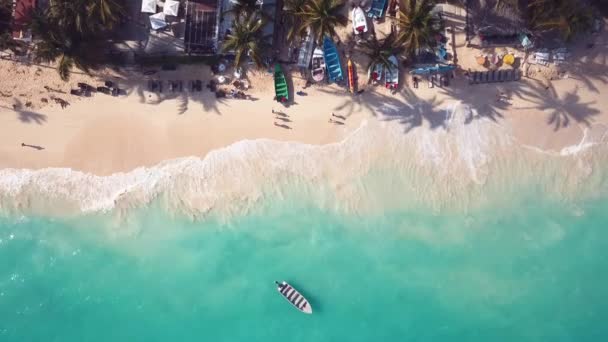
(481, 60)
(171, 7)
(509, 59)
(157, 21)
(148, 6)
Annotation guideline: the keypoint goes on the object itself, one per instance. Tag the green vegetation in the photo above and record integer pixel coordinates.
(378, 51)
(569, 17)
(247, 39)
(418, 27)
(73, 32)
(293, 21)
(245, 8)
(322, 17)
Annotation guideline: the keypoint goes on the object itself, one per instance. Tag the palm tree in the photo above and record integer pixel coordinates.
(291, 12)
(569, 17)
(321, 17)
(86, 16)
(418, 27)
(245, 8)
(107, 13)
(54, 44)
(378, 51)
(247, 38)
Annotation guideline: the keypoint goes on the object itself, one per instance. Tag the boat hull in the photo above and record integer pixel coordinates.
(294, 297)
(318, 65)
(280, 85)
(332, 60)
(351, 76)
(392, 74)
(359, 21)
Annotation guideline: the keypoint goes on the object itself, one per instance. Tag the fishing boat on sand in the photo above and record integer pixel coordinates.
(332, 60)
(318, 65)
(377, 73)
(294, 297)
(280, 84)
(351, 76)
(377, 9)
(392, 73)
(359, 21)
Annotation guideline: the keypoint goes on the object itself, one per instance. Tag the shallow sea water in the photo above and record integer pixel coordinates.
(456, 234)
(532, 270)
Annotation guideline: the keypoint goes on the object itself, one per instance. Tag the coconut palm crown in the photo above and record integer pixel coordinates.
(321, 17)
(418, 26)
(247, 38)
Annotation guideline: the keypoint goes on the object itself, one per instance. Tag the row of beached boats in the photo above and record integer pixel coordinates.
(324, 61)
(389, 74)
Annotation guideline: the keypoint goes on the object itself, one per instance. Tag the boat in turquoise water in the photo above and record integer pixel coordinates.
(332, 60)
(294, 297)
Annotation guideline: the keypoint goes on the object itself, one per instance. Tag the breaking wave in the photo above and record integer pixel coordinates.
(379, 164)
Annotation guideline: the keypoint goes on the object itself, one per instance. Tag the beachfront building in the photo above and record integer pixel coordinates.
(195, 27)
(202, 22)
(22, 15)
(492, 23)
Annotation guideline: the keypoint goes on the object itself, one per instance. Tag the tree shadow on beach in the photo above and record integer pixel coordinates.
(27, 116)
(135, 82)
(404, 107)
(561, 109)
(589, 65)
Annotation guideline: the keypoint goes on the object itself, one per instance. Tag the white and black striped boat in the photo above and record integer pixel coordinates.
(294, 297)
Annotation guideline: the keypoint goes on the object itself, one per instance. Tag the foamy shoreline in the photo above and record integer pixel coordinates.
(202, 154)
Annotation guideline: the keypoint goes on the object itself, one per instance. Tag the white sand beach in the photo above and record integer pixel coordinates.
(454, 129)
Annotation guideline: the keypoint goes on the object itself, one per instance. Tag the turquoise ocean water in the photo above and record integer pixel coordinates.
(529, 269)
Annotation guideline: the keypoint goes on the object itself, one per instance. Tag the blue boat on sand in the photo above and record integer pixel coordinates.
(332, 60)
(377, 9)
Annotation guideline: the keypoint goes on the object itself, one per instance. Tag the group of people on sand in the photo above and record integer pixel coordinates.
(336, 121)
(282, 117)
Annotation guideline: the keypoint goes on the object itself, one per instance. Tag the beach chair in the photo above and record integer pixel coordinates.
(493, 76)
(516, 75)
(499, 76)
(76, 92)
(509, 76)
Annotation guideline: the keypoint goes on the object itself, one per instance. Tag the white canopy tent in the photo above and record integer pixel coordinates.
(157, 21)
(171, 7)
(148, 6)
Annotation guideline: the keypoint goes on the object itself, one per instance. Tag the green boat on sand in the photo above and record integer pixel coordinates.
(280, 84)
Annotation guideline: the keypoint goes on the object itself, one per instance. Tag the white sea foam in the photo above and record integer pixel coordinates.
(435, 163)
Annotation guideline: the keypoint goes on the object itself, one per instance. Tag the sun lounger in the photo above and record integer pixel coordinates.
(103, 90)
